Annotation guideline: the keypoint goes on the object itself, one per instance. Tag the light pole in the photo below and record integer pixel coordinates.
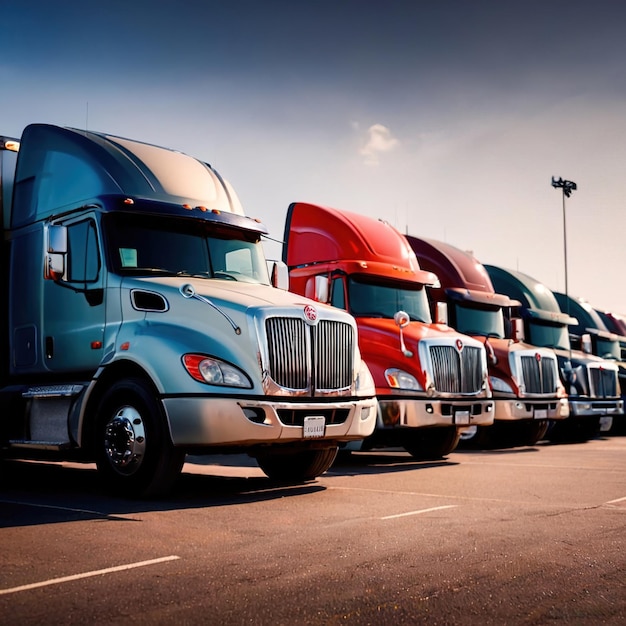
(567, 186)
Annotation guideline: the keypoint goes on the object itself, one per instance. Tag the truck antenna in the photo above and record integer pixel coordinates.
(187, 291)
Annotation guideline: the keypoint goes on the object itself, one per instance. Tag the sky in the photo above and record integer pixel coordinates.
(446, 118)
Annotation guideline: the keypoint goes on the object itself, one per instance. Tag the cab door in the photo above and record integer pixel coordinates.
(74, 309)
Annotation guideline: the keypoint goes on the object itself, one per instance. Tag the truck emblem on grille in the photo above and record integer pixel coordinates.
(310, 314)
(459, 345)
(537, 357)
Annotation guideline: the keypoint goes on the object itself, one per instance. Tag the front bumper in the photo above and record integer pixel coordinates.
(419, 413)
(512, 409)
(589, 408)
(242, 422)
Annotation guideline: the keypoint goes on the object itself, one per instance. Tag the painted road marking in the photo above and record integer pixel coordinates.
(615, 501)
(420, 511)
(108, 570)
(64, 508)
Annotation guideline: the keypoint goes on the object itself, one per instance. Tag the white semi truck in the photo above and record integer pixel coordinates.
(140, 323)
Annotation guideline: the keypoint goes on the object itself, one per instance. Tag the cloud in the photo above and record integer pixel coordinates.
(379, 140)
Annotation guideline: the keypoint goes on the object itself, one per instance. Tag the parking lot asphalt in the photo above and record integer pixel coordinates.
(530, 535)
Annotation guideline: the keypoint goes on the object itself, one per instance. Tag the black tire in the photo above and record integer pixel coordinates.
(533, 431)
(296, 465)
(134, 453)
(429, 444)
(516, 433)
(476, 439)
(574, 429)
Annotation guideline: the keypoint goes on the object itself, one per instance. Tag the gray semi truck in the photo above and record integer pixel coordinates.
(141, 321)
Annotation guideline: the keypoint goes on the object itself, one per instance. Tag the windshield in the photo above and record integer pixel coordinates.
(142, 246)
(368, 298)
(608, 349)
(486, 322)
(547, 335)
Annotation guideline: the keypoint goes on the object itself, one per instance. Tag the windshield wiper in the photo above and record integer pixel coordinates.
(203, 274)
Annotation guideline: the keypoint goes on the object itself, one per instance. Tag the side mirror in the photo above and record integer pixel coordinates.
(441, 313)
(279, 274)
(585, 343)
(322, 289)
(517, 329)
(56, 252)
(402, 320)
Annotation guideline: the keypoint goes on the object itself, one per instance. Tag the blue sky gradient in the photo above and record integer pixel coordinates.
(445, 118)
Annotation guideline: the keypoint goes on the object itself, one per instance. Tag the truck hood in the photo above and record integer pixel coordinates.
(227, 293)
(386, 330)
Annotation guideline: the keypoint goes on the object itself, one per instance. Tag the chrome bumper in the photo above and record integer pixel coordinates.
(428, 412)
(241, 422)
(513, 409)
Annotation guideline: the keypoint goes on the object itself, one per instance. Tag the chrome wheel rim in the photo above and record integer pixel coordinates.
(125, 440)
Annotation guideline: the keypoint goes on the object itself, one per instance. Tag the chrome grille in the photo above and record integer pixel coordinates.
(539, 375)
(456, 372)
(307, 357)
(603, 382)
(333, 342)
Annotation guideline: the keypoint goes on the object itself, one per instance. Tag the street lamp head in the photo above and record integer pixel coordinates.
(566, 185)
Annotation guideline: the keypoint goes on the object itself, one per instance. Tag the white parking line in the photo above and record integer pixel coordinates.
(614, 501)
(420, 511)
(58, 508)
(108, 570)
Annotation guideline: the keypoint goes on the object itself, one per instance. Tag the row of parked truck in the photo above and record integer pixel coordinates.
(516, 368)
(141, 322)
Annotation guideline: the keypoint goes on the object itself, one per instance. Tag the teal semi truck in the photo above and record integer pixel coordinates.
(591, 382)
(141, 321)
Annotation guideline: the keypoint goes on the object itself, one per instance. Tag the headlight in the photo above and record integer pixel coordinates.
(399, 379)
(206, 369)
(497, 384)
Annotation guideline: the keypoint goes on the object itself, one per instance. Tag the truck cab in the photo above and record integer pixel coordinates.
(139, 322)
(591, 382)
(431, 381)
(615, 324)
(524, 379)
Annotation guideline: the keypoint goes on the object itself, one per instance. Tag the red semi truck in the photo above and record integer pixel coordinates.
(431, 381)
(524, 379)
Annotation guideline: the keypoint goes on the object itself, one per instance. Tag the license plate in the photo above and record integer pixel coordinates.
(462, 418)
(314, 426)
(541, 414)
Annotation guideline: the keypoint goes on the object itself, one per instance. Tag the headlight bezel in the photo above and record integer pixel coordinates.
(213, 371)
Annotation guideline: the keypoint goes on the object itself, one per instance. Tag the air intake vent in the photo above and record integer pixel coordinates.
(148, 301)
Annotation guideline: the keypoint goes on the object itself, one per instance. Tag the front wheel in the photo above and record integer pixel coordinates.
(134, 453)
(296, 465)
(429, 444)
